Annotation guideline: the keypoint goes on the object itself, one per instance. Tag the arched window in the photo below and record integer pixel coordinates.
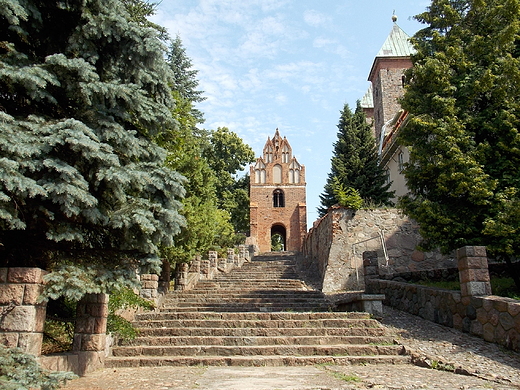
(278, 198)
(277, 173)
(294, 172)
(268, 157)
(260, 172)
(285, 154)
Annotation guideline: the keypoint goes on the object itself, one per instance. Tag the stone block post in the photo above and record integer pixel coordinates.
(213, 262)
(181, 277)
(90, 332)
(370, 266)
(473, 271)
(204, 269)
(230, 256)
(195, 265)
(222, 265)
(22, 317)
(149, 286)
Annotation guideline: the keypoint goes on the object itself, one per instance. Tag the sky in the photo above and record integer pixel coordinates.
(286, 64)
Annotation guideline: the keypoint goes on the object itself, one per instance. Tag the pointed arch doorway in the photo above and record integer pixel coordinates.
(278, 238)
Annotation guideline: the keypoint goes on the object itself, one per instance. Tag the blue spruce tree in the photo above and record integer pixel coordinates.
(83, 188)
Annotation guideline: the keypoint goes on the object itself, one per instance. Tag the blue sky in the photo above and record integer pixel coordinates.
(286, 64)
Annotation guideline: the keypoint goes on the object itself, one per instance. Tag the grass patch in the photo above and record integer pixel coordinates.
(502, 287)
(345, 377)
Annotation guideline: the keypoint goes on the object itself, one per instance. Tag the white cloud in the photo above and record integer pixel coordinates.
(315, 19)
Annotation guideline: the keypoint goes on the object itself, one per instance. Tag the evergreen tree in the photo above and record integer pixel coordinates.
(185, 81)
(464, 138)
(354, 163)
(83, 90)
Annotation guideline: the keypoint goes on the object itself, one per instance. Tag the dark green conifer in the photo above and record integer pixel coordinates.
(355, 163)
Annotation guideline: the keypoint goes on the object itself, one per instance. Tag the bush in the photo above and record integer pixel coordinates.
(21, 371)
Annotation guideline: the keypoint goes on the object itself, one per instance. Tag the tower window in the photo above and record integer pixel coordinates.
(278, 198)
(400, 161)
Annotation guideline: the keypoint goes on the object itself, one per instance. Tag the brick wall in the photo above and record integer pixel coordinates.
(291, 219)
(387, 84)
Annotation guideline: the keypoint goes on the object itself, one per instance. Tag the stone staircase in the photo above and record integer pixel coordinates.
(261, 314)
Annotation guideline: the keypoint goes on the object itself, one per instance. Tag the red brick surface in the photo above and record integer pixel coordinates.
(263, 215)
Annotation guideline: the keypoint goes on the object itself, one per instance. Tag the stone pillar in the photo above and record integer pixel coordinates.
(204, 269)
(222, 265)
(473, 271)
(181, 277)
(370, 265)
(149, 286)
(230, 256)
(195, 265)
(90, 332)
(242, 254)
(165, 277)
(213, 262)
(22, 317)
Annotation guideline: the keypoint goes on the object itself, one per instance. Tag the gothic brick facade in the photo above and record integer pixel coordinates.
(277, 196)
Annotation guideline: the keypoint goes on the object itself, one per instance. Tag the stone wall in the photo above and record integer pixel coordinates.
(335, 245)
(472, 309)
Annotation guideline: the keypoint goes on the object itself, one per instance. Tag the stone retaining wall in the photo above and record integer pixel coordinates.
(335, 245)
(495, 319)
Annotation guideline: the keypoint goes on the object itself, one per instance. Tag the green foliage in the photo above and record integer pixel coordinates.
(208, 226)
(463, 134)
(504, 287)
(21, 371)
(277, 242)
(81, 180)
(122, 299)
(346, 197)
(228, 155)
(355, 163)
(58, 333)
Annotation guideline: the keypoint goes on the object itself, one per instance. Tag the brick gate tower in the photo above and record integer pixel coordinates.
(277, 196)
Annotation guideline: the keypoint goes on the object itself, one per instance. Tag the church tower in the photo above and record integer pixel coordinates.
(277, 197)
(387, 78)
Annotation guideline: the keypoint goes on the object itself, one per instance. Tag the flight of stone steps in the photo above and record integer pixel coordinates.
(261, 314)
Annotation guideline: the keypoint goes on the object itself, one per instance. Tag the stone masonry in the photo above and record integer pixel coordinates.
(472, 309)
(337, 243)
(22, 316)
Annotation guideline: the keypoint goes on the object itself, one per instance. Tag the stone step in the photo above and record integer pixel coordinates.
(259, 350)
(243, 300)
(256, 340)
(265, 332)
(252, 361)
(280, 294)
(363, 318)
(258, 315)
(258, 308)
(269, 324)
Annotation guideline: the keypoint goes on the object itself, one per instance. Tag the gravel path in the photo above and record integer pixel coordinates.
(463, 362)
